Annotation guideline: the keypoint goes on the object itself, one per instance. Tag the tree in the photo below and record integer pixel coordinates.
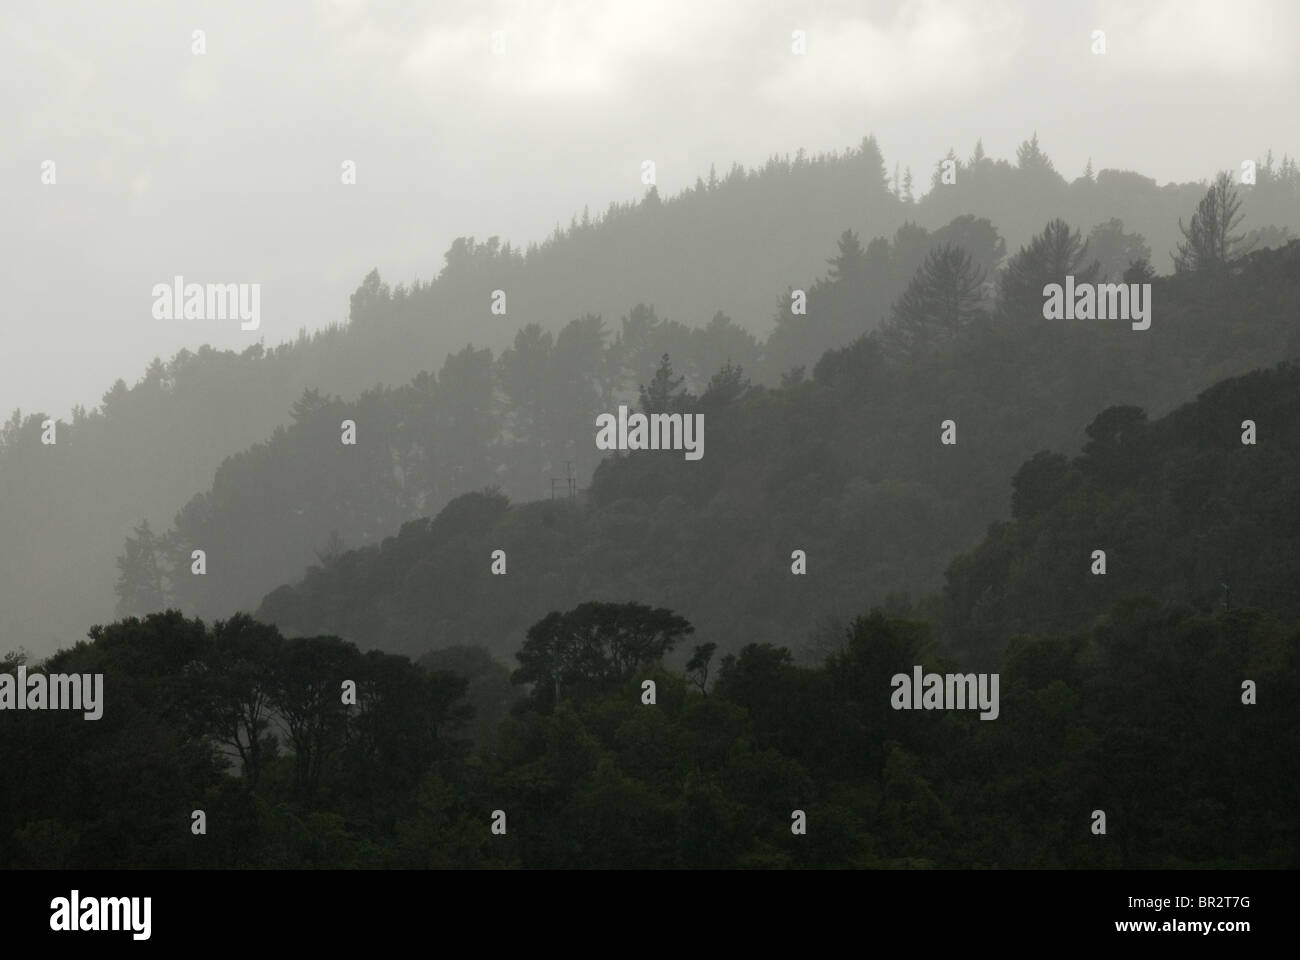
(726, 386)
(1116, 250)
(977, 236)
(1139, 271)
(936, 178)
(233, 689)
(665, 393)
(723, 341)
(1112, 435)
(368, 300)
(1038, 484)
(792, 378)
(944, 296)
(874, 160)
(139, 587)
(459, 438)
(697, 668)
(404, 721)
(1051, 256)
(751, 676)
(1114, 427)
(333, 549)
(306, 407)
(1031, 159)
(488, 693)
(592, 646)
(305, 685)
(524, 372)
(850, 263)
(1208, 243)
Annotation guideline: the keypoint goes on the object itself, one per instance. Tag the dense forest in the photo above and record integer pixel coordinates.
(845, 465)
(1196, 509)
(469, 639)
(751, 761)
(735, 244)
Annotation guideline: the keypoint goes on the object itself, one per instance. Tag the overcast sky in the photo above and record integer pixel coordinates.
(225, 167)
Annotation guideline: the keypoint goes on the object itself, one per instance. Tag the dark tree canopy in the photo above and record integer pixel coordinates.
(595, 645)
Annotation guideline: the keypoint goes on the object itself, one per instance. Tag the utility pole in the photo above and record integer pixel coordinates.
(570, 482)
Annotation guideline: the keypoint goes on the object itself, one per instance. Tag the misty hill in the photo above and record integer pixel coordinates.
(735, 244)
(520, 421)
(1185, 512)
(846, 465)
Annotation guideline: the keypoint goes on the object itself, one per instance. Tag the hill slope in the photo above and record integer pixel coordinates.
(847, 466)
(735, 245)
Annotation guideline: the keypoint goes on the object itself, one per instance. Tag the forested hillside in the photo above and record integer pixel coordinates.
(698, 681)
(736, 244)
(848, 466)
(745, 761)
(518, 421)
(1197, 508)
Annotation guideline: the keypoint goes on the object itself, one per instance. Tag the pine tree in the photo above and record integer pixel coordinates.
(725, 387)
(139, 585)
(1051, 256)
(876, 177)
(943, 296)
(665, 393)
(1208, 243)
(1031, 159)
(850, 263)
(936, 179)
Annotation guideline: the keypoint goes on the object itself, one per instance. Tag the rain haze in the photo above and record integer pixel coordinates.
(685, 436)
(226, 166)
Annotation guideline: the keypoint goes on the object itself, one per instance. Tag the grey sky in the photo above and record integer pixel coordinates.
(225, 167)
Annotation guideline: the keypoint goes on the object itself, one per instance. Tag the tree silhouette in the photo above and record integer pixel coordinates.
(140, 588)
(1116, 250)
(1208, 243)
(577, 653)
(943, 297)
(697, 668)
(849, 263)
(1031, 159)
(1050, 257)
(665, 392)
